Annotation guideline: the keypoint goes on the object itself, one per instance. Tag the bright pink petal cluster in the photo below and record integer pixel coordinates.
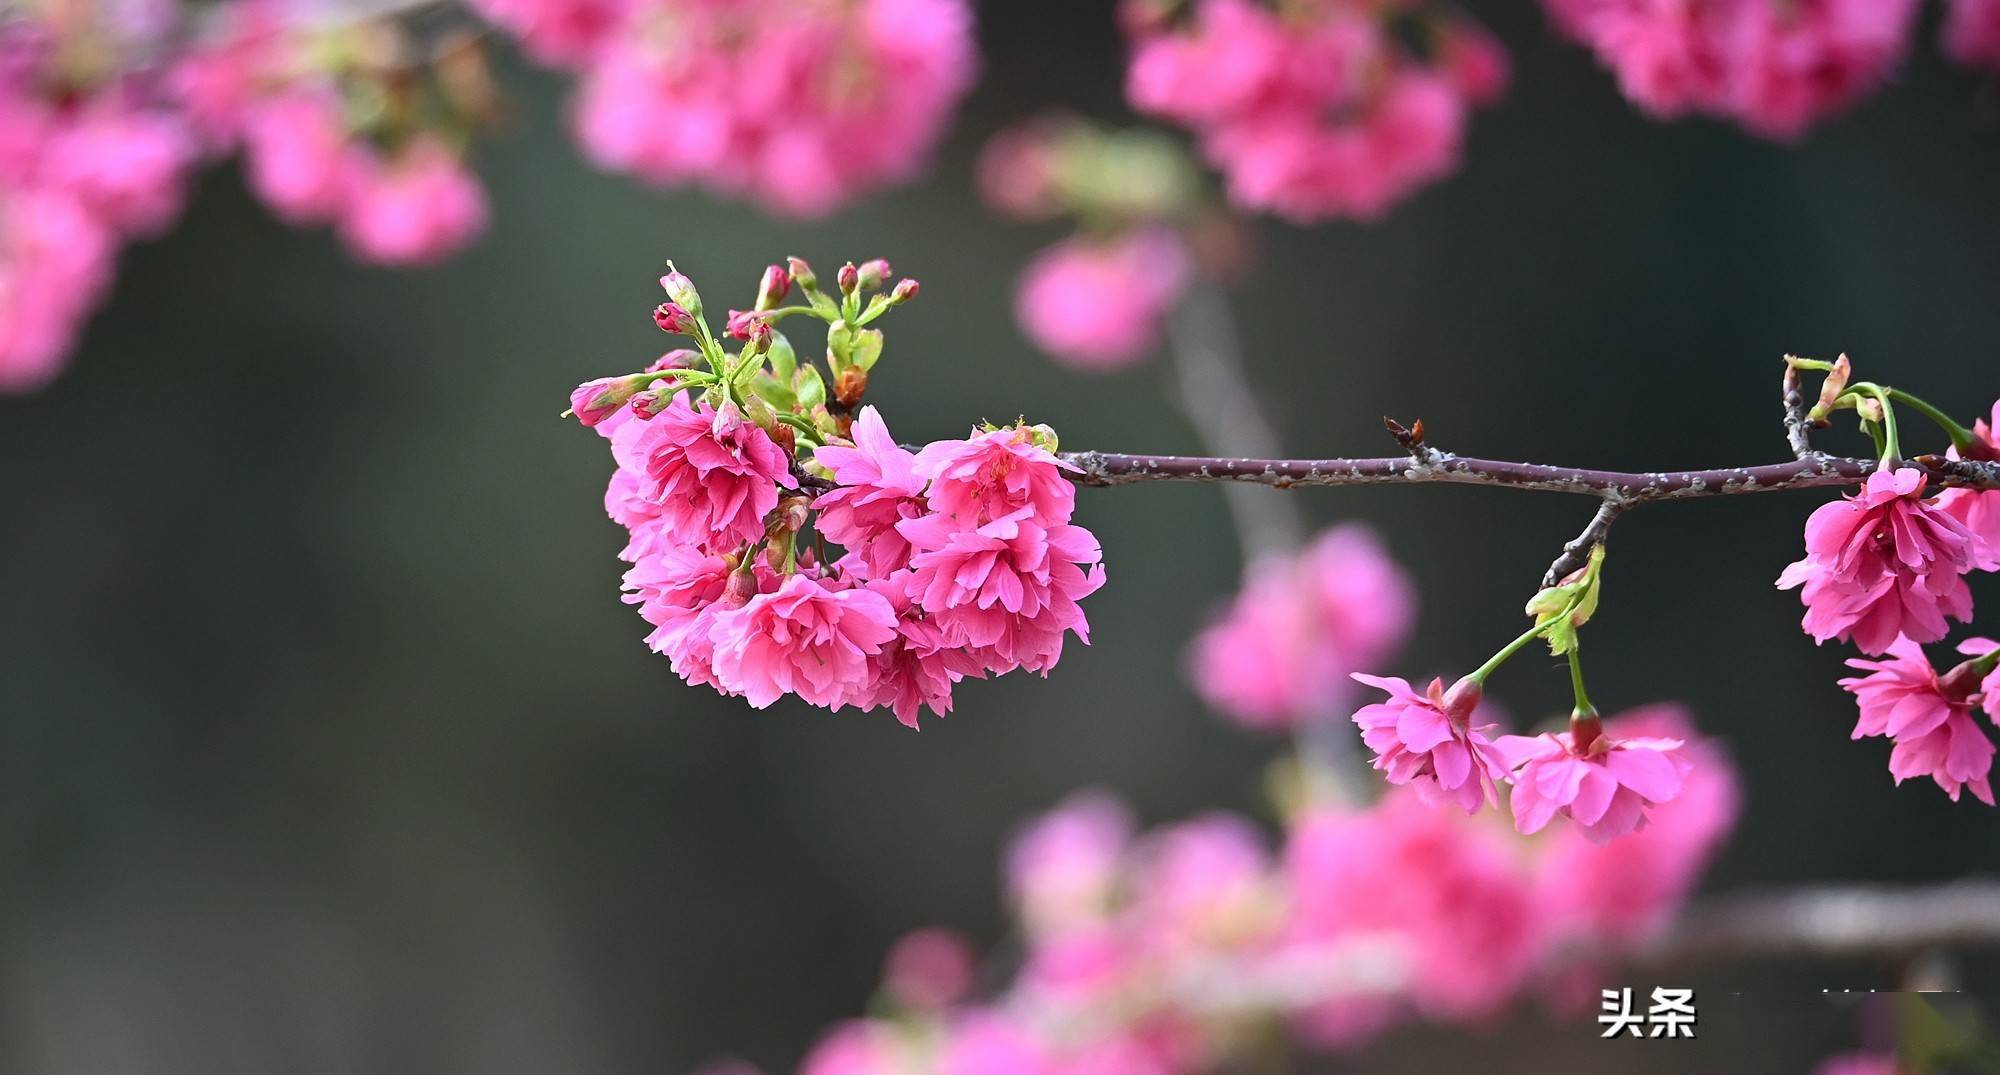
(1320, 111)
(1284, 648)
(1883, 564)
(1979, 509)
(712, 474)
(1972, 33)
(1427, 740)
(1603, 784)
(1775, 68)
(1929, 718)
(1099, 304)
(801, 108)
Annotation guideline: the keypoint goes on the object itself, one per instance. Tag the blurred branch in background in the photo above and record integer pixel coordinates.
(1836, 922)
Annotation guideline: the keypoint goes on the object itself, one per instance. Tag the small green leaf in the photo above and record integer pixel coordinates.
(1560, 609)
(867, 348)
(808, 387)
(783, 359)
(778, 394)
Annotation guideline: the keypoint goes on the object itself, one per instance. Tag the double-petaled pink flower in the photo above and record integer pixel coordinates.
(1885, 563)
(995, 474)
(1979, 509)
(878, 487)
(1928, 717)
(414, 208)
(1604, 785)
(805, 638)
(1427, 741)
(1008, 589)
(711, 474)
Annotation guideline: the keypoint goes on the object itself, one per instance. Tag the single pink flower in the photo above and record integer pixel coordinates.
(1009, 589)
(1427, 741)
(1061, 869)
(295, 155)
(712, 474)
(1930, 719)
(1100, 304)
(878, 488)
(128, 166)
(1603, 784)
(1979, 509)
(415, 209)
(1884, 563)
(803, 638)
(996, 474)
(929, 969)
(1628, 890)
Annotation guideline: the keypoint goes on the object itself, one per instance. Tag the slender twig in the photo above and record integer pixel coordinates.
(1626, 487)
(1577, 553)
(1798, 427)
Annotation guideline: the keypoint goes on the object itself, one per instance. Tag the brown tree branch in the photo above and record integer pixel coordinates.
(1836, 922)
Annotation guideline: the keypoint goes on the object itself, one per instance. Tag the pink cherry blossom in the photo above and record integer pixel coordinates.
(55, 263)
(995, 474)
(918, 669)
(800, 109)
(1604, 785)
(1627, 890)
(1061, 868)
(413, 209)
(1883, 564)
(804, 638)
(1979, 509)
(1972, 32)
(1775, 69)
(877, 488)
(1008, 589)
(712, 474)
(1929, 720)
(557, 31)
(929, 969)
(1319, 112)
(127, 166)
(1425, 740)
(1099, 304)
(295, 156)
(681, 591)
(1284, 649)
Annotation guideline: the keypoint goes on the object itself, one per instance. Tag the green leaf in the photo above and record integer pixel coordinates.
(783, 359)
(839, 346)
(1560, 609)
(808, 387)
(773, 391)
(867, 348)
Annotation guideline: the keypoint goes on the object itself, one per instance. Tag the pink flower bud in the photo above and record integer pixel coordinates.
(681, 290)
(801, 273)
(849, 278)
(741, 587)
(648, 404)
(741, 323)
(929, 969)
(875, 272)
(594, 401)
(680, 358)
(672, 317)
(773, 288)
(906, 289)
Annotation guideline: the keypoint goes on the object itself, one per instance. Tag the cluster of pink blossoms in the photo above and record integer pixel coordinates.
(1283, 650)
(106, 110)
(89, 159)
(1774, 67)
(1170, 953)
(960, 559)
(1886, 570)
(1319, 110)
(799, 106)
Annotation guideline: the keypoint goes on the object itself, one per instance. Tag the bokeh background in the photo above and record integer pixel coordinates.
(327, 746)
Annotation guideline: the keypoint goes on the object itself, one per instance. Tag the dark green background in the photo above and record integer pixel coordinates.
(326, 745)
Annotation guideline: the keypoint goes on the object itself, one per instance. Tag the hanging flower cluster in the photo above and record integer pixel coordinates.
(106, 109)
(1886, 571)
(801, 107)
(735, 468)
(1177, 951)
(1282, 652)
(1316, 109)
(1776, 68)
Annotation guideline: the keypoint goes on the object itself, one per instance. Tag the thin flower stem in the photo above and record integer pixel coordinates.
(1494, 662)
(1961, 437)
(1892, 448)
(1576, 680)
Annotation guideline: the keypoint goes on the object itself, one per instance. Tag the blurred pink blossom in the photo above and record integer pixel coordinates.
(1100, 304)
(414, 208)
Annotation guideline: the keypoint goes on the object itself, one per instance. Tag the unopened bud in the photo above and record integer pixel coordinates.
(874, 272)
(648, 404)
(792, 512)
(1831, 388)
(1463, 697)
(594, 401)
(801, 273)
(1586, 730)
(743, 324)
(849, 278)
(741, 587)
(906, 289)
(680, 358)
(672, 317)
(850, 386)
(681, 290)
(773, 288)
